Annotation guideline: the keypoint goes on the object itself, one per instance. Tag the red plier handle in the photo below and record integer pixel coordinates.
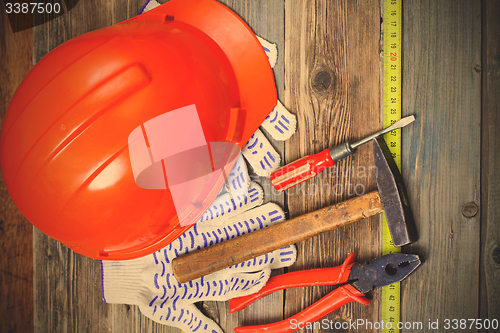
(331, 302)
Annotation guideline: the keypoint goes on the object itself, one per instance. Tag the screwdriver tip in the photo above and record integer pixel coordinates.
(410, 118)
(405, 121)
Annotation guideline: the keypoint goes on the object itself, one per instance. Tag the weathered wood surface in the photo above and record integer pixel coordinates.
(441, 156)
(67, 285)
(329, 75)
(332, 84)
(16, 233)
(266, 20)
(490, 162)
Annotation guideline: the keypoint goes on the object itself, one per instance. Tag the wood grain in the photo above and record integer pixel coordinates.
(265, 18)
(332, 83)
(441, 156)
(67, 285)
(490, 160)
(329, 75)
(16, 233)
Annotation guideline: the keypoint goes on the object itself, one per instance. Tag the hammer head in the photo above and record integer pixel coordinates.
(393, 195)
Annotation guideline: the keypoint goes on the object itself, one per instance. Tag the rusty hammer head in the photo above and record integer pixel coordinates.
(393, 196)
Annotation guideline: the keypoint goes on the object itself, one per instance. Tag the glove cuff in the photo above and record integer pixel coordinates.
(122, 281)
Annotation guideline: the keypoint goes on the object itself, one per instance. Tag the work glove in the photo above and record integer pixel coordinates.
(149, 282)
(280, 124)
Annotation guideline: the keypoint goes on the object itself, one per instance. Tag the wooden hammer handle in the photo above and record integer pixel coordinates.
(230, 252)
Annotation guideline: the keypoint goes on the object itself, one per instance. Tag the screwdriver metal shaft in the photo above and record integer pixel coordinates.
(309, 166)
(399, 124)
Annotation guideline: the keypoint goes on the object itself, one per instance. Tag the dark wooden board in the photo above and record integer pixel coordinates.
(266, 20)
(490, 161)
(67, 285)
(332, 83)
(441, 156)
(16, 233)
(329, 75)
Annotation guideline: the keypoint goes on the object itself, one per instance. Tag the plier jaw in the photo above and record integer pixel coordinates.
(383, 271)
(355, 280)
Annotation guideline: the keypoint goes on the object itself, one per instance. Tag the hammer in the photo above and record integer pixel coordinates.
(390, 197)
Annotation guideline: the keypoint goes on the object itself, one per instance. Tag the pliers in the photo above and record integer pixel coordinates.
(355, 281)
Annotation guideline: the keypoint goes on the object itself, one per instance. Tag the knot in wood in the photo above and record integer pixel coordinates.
(470, 209)
(322, 80)
(495, 255)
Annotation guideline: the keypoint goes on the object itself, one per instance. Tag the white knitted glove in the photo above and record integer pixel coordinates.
(149, 282)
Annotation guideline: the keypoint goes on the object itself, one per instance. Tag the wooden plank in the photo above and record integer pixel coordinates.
(67, 285)
(16, 233)
(265, 18)
(441, 156)
(332, 83)
(490, 160)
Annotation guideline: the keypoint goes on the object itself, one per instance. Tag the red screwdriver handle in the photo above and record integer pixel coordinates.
(301, 170)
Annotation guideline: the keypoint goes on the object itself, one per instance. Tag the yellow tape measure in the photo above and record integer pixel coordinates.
(392, 112)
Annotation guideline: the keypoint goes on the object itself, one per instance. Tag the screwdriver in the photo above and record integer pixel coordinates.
(309, 166)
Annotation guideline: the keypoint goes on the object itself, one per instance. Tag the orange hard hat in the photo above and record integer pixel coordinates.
(85, 110)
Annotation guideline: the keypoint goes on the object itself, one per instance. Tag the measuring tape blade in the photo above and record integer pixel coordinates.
(391, 294)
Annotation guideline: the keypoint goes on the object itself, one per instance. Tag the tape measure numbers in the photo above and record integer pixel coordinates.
(391, 294)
